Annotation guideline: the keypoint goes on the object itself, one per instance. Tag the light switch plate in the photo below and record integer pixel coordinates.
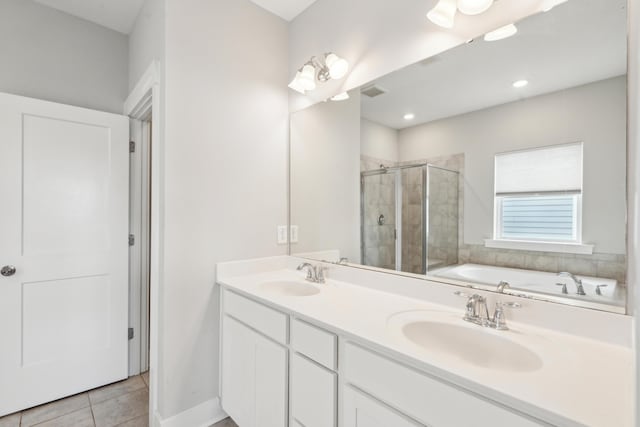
(282, 234)
(293, 234)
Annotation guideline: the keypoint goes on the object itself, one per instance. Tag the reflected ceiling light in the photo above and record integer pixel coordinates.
(340, 97)
(443, 14)
(338, 67)
(501, 33)
(409, 116)
(474, 7)
(333, 67)
(520, 83)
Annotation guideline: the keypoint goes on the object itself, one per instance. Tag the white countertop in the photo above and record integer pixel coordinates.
(583, 382)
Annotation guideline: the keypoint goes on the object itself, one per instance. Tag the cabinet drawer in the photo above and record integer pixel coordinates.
(422, 397)
(270, 322)
(313, 394)
(315, 343)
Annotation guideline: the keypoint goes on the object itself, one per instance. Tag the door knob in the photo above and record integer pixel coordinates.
(8, 270)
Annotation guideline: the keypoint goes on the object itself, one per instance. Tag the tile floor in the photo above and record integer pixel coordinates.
(122, 404)
(225, 423)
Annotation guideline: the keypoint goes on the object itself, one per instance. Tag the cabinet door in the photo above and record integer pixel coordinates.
(254, 377)
(361, 410)
(313, 393)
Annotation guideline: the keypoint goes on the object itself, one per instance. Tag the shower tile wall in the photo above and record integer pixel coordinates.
(412, 221)
(379, 199)
(443, 218)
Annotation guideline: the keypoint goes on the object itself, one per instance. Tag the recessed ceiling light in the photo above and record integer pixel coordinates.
(409, 116)
(501, 33)
(520, 83)
(340, 97)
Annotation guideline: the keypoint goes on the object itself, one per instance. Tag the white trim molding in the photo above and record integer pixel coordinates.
(202, 415)
(145, 102)
(567, 248)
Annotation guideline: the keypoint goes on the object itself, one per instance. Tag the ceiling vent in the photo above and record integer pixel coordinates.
(373, 91)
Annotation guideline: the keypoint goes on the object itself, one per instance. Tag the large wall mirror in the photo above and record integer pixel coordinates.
(497, 164)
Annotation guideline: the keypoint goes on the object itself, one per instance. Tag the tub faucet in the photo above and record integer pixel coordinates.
(577, 281)
(502, 286)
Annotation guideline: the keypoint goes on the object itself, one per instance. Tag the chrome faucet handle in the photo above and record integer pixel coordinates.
(564, 288)
(499, 320)
(343, 261)
(599, 289)
(580, 288)
(321, 274)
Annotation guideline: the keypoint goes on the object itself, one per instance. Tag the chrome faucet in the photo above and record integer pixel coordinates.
(578, 282)
(477, 312)
(315, 274)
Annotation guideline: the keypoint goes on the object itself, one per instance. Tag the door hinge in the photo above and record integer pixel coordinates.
(132, 240)
(130, 333)
(132, 146)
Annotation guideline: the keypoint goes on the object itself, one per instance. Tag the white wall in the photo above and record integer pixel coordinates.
(225, 173)
(594, 114)
(50, 55)
(380, 36)
(325, 177)
(378, 141)
(146, 41)
(633, 273)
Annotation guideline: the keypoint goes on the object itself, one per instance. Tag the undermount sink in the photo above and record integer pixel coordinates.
(290, 288)
(470, 343)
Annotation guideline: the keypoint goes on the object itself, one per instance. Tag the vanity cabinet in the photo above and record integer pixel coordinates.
(280, 371)
(254, 376)
(420, 396)
(360, 410)
(313, 393)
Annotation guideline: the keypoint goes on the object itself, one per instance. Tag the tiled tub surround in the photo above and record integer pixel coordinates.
(585, 379)
(606, 266)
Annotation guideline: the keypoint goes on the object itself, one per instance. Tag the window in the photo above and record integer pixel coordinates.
(538, 195)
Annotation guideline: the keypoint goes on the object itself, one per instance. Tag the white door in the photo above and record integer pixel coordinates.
(64, 175)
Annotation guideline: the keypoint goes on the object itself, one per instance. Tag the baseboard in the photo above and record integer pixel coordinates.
(202, 415)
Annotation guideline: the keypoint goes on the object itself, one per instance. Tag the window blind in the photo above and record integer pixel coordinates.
(542, 170)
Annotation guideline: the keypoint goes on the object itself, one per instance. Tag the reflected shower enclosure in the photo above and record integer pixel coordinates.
(409, 217)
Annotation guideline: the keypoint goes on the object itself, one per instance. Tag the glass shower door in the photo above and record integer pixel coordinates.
(378, 222)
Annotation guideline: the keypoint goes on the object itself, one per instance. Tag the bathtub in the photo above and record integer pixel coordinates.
(531, 282)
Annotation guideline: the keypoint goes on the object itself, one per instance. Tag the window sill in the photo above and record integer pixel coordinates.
(567, 248)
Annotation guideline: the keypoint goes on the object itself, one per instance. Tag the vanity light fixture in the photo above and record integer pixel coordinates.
(501, 33)
(409, 116)
(520, 83)
(332, 68)
(474, 7)
(340, 97)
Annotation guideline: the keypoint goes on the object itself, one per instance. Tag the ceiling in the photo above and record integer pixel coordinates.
(578, 42)
(286, 9)
(118, 15)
